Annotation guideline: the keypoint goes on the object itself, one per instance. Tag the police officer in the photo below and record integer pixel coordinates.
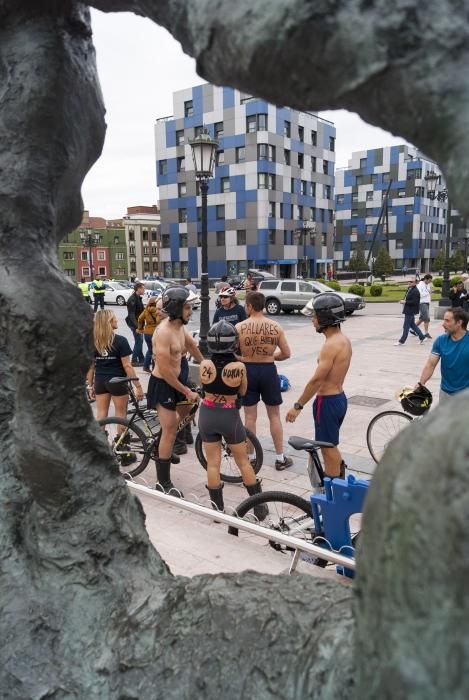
(99, 289)
(85, 290)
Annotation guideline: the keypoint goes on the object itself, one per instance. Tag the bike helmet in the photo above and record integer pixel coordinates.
(227, 292)
(222, 337)
(328, 308)
(173, 300)
(416, 401)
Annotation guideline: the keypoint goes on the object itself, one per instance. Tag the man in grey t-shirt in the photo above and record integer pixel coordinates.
(425, 289)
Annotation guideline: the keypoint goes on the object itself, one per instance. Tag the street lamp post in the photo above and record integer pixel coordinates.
(300, 235)
(433, 180)
(203, 155)
(90, 240)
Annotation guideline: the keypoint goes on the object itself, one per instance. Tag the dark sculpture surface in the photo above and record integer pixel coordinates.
(87, 607)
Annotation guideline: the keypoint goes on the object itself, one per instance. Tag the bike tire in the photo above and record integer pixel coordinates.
(288, 513)
(382, 429)
(229, 472)
(138, 445)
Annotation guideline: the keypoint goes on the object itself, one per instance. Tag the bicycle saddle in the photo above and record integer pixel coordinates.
(299, 443)
(120, 380)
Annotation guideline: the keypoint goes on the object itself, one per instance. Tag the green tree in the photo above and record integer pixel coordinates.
(383, 263)
(457, 261)
(439, 261)
(357, 262)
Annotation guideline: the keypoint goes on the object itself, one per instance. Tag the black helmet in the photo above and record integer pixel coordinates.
(328, 307)
(416, 402)
(222, 337)
(173, 300)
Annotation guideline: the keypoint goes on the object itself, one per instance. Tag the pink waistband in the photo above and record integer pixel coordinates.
(214, 404)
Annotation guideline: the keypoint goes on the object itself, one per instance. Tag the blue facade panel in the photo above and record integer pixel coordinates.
(192, 260)
(170, 127)
(257, 107)
(228, 97)
(174, 242)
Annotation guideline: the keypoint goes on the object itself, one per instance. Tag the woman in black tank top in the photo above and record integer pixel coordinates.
(223, 379)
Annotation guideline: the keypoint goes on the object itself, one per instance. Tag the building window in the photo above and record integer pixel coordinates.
(369, 196)
(220, 211)
(131, 250)
(312, 214)
(272, 236)
(354, 213)
(409, 209)
(69, 255)
(145, 235)
(241, 237)
(163, 167)
(419, 191)
(314, 138)
(153, 250)
(180, 164)
(374, 178)
(286, 156)
(340, 198)
(292, 185)
(300, 211)
(331, 216)
(265, 181)
(304, 187)
(272, 210)
(101, 271)
(353, 230)
(220, 238)
(401, 193)
(180, 137)
(101, 255)
(386, 177)
(84, 255)
(362, 163)
(240, 154)
(198, 130)
(354, 196)
(301, 133)
(85, 271)
(220, 157)
(199, 239)
(199, 213)
(327, 192)
(399, 244)
(281, 210)
(313, 163)
(188, 108)
(369, 230)
(265, 152)
(331, 143)
(225, 184)
(301, 160)
(313, 189)
(165, 240)
(324, 239)
(131, 234)
(256, 122)
(116, 240)
(183, 240)
(133, 267)
(287, 129)
(145, 250)
(146, 266)
(325, 167)
(219, 130)
(182, 216)
(182, 189)
(414, 174)
(197, 188)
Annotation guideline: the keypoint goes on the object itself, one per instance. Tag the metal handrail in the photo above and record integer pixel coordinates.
(240, 524)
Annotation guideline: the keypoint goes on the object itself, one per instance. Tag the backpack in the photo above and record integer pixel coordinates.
(284, 383)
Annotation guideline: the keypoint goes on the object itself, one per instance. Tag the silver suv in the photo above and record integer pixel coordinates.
(291, 295)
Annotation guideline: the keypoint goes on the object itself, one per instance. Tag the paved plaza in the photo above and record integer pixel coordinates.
(193, 544)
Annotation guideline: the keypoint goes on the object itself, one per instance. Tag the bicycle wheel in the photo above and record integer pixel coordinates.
(229, 472)
(382, 429)
(129, 447)
(288, 514)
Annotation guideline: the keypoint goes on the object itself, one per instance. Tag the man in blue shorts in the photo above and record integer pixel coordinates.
(262, 342)
(452, 349)
(327, 312)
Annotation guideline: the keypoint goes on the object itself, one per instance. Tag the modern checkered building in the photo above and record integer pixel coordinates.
(417, 224)
(274, 176)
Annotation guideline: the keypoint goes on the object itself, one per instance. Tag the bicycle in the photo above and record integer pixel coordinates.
(292, 515)
(141, 434)
(383, 428)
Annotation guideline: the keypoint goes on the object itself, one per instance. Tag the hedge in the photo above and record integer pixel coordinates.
(333, 284)
(357, 289)
(376, 290)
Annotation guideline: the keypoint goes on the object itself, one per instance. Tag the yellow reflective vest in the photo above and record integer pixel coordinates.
(83, 286)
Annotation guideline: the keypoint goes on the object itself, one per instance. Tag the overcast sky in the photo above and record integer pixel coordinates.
(140, 65)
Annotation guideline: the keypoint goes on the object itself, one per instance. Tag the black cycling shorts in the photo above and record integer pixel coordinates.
(162, 393)
(217, 423)
(102, 385)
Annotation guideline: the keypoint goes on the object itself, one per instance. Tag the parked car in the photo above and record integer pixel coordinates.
(291, 295)
(116, 293)
(257, 275)
(155, 288)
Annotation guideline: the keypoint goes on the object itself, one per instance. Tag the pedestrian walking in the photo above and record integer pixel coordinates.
(411, 307)
(458, 295)
(134, 309)
(191, 286)
(98, 287)
(425, 291)
(452, 349)
(147, 322)
(84, 288)
(224, 380)
(327, 312)
(262, 344)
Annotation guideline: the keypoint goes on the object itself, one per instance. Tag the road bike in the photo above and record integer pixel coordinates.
(383, 428)
(290, 514)
(140, 434)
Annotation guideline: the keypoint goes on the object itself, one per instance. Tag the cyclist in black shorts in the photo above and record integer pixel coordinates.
(223, 379)
(112, 359)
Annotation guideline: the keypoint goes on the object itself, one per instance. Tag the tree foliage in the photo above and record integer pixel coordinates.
(383, 264)
(357, 262)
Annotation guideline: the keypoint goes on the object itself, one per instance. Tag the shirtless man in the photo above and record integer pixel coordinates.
(330, 406)
(166, 388)
(262, 343)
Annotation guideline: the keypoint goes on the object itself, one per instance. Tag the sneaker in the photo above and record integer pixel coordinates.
(412, 332)
(398, 343)
(147, 370)
(427, 335)
(422, 340)
(280, 466)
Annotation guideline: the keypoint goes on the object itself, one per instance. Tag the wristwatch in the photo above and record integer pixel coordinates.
(298, 406)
